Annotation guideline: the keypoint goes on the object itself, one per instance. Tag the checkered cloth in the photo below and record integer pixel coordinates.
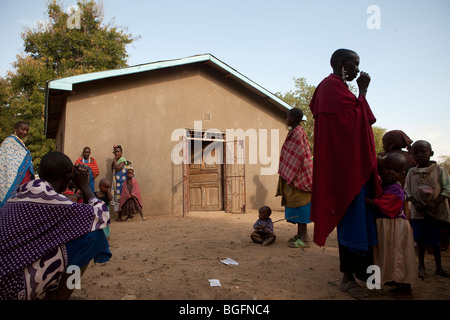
(135, 193)
(296, 164)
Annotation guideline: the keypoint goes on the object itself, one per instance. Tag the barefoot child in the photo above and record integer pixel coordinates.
(263, 227)
(130, 199)
(428, 187)
(105, 195)
(394, 253)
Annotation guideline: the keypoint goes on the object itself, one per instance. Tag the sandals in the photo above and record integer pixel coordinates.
(422, 273)
(298, 244)
(439, 272)
(354, 290)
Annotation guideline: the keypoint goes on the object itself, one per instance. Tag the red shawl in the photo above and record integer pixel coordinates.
(92, 165)
(126, 194)
(296, 161)
(389, 204)
(344, 153)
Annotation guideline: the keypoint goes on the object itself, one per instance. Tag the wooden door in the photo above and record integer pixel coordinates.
(205, 185)
(234, 177)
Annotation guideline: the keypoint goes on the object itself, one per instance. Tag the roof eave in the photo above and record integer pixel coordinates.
(249, 83)
(67, 84)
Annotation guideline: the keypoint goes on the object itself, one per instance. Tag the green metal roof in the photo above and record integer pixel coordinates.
(67, 84)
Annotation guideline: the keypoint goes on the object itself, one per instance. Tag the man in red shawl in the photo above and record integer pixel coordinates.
(345, 168)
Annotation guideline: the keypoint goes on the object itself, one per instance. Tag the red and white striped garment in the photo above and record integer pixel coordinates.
(296, 164)
(126, 194)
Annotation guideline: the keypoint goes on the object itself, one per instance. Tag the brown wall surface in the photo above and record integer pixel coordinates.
(141, 111)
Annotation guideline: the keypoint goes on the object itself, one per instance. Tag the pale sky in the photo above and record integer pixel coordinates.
(403, 45)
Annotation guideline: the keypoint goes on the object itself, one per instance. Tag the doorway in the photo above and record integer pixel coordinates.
(205, 182)
(213, 173)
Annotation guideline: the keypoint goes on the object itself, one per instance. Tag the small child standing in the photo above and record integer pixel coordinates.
(263, 228)
(395, 252)
(105, 195)
(130, 199)
(428, 187)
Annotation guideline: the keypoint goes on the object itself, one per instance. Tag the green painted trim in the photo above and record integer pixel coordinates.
(67, 84)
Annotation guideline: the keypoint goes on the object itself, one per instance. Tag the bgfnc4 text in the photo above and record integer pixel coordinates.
(246, 309)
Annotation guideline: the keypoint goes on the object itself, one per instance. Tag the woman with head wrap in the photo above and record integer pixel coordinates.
(396, 141)
(345, 168)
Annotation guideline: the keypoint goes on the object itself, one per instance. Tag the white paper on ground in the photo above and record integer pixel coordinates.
(229, 261)
(214, 282)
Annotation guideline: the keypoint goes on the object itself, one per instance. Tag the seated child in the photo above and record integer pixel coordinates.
(263, 227)
(130, 199)
(395, 252)
(428, 187)
(105, 195)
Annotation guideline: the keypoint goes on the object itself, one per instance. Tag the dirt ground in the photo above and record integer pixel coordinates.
(173, 258)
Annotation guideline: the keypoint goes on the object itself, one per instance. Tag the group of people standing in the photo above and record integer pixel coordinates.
(45, 227)
(16, 168)
(383, 206)
(126, 195)
(122, 192)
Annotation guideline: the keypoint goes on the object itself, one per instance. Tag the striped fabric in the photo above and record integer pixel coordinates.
(91, 163)
(135, 193)
(296, 164)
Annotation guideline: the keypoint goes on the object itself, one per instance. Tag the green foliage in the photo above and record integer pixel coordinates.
(69, 49)
(378, 134)
(6, 112)
(54, 50)
(445, 161)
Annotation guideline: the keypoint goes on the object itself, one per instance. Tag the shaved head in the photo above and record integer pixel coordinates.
(55, 166)
(395, 157)
(421, 143)
(296, 113)
(341, 55)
